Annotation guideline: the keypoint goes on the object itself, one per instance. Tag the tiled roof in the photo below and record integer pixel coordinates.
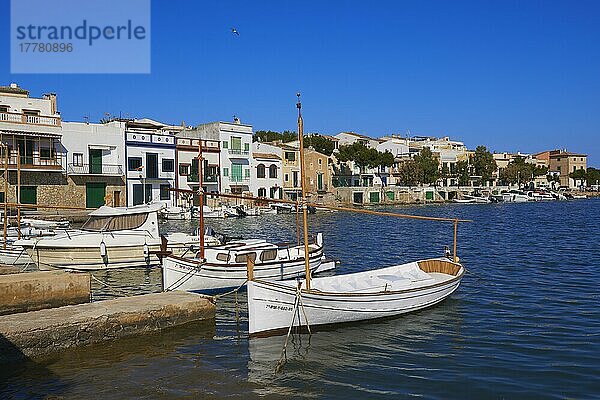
(268, 156)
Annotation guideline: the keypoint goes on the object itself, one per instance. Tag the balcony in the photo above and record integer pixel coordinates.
(239, 179)
(205, 179)
(17, 118)
(35, 163)
(95, 169)
(239, 152)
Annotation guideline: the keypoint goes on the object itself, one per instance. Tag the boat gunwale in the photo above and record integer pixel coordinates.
(317, 292)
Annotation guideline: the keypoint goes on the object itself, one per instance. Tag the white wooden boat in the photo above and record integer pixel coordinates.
(185, 245)
(111, 238)
(14, 255)
(380, 293)
(275, 307)
(225, 266)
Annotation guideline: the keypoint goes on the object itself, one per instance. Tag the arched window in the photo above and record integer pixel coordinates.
(273, 171)
(260, 171)
(262, 192)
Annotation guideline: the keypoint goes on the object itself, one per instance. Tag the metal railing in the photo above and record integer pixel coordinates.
(239, 152)
(18, 118)
(205, 179)
(94, 169)
(239, 179)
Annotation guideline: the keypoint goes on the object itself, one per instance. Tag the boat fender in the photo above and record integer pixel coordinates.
(319, 239)
(103, 252)
(146, 252)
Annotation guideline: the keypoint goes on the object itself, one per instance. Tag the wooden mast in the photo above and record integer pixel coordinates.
(5, 156)
(201, 194)
(303, 186)
(19, 193)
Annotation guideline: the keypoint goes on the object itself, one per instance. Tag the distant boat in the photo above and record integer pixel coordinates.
(466, 199)
(176, 213)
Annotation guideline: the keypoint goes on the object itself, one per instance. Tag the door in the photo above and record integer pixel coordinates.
(148, 192)
(94, 194)
(357, 197)
(138, 194)
(95, 161)
(28, 194)
(116, 198)
(374, 197)
(236, 172)
(319, 181)
(152, 165)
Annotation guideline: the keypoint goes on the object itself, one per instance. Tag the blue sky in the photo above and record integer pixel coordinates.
(513, 75)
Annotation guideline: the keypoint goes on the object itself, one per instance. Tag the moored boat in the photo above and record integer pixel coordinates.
(225, 266)
(111, 238)
(380, 293)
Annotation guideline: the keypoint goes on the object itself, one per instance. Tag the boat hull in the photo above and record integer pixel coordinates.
(191, 275)
(89, 258)
(271, 304)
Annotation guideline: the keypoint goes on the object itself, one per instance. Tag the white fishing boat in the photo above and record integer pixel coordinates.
(176, 213)
(224, 266)
(185, 245)
(466, 199)
(111, 238)
(275, 307)
(516, 196)
(14, 255)
(380, 293)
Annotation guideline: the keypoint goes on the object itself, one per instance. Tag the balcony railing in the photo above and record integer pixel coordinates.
(239, 179)
(205, 179)
(34, 162)
(239, 152)
(102, 169)
(17, 118)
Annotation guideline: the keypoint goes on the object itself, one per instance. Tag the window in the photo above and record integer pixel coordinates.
(260, 171)
(3, 109)
(574, 168)
(165, 193)
(236, 143)
(225, 171)
(223, 257)
(273, 192)
(78, 159)
(262, 192)
(1, 197)
(273, 171)
(168, 165)
(119, 222)
(286, 177)
(46, 153)
(184, 169)
(290, 156)
(134, 163)
(246, 147)
(558, 168)
(225, 145)
(31, 112)
(268, 255)
(247, 173)
(320, 162)
(242, 258)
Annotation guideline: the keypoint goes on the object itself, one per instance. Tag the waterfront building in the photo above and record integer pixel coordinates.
(266, 176)
(563, 163)
(32, 126)
(318, 173)
(150, 168)
(235, 154)
(291, 171)
(346, 138)
(187, 153)
(95, 163)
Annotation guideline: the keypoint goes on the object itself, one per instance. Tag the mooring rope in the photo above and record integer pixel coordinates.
(116, 290)
(218, 296)
(283, 357)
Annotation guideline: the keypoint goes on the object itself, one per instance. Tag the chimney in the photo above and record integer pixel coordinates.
(52, 98)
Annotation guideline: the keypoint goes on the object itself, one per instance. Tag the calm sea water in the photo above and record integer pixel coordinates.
(525, 322)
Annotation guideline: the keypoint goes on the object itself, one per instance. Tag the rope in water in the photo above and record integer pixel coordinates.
(116, 290)
(297, 302)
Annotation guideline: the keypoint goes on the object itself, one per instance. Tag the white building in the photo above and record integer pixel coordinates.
(398, 147)
(96, 161)
(266, 174)
(188, 151)
(150, 152)
(235, 155)
(345, 138)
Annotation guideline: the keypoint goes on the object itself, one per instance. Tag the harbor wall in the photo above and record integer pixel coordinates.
(38, 333)
(31, 291)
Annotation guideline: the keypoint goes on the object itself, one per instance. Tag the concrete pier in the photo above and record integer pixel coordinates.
(37, 333)
(37, 290)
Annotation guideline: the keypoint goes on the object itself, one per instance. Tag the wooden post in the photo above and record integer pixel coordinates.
(250, 267)
(455, 236)
(18, 193)
(304, 199)
(201, 194)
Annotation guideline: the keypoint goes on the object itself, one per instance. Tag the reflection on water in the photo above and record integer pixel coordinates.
(525, 322)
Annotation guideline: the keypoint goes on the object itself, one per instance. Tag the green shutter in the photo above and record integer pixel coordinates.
(95, 161)
(374, 197)
(29, 194)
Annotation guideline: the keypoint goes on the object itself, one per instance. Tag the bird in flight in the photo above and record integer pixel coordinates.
(235, 32)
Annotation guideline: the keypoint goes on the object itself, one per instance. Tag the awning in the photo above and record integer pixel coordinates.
(25, 133)
(101, 147)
